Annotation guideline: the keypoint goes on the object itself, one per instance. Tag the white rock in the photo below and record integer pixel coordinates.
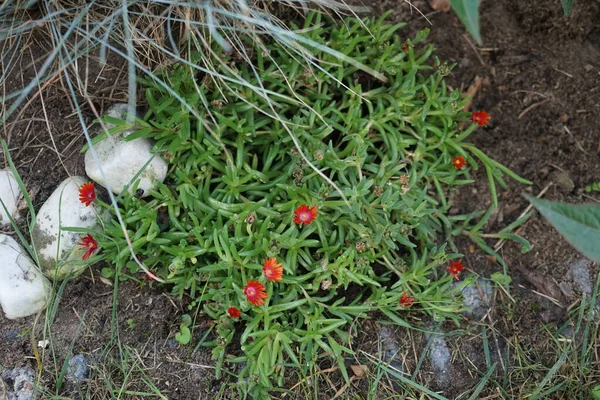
(121, 161)
(57, 249)
(10, 193)
(23, 289)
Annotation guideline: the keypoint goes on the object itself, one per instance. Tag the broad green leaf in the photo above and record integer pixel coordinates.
(468, 13)
(567, 4)
(579, 224)
(184, 335)
(595, 392)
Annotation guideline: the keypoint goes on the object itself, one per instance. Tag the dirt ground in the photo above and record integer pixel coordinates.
(540, 82)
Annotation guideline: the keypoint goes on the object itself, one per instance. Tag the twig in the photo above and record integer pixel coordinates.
(496, 340)
(552, 299)
(475, 50)
(576, 142)
(419, 11)
(590, 197)
(531, 107)
(562, 72)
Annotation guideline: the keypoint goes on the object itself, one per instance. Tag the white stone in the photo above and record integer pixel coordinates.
(57, 248)
(10, 193)
(24, 290)
(121, 161)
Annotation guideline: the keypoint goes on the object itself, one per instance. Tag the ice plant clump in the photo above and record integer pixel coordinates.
(481, 118)
(87, 193)
(406, 300)
(272, 270)
(305, 215)
(244, 184)
(459, 162)
(455, 268)
(90, 244)
(255, 292)
(234, 312)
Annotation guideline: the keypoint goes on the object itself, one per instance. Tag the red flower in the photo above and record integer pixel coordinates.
(305, 215)
(455, 268)
(255, 292)
(406, 300)
(481, 118)
(90, 244)
(150, 277)
(87, 194)
(459, 162)
(234, 312)
(272, 270)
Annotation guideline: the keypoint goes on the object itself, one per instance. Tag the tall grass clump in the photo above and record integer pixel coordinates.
(143, 35)
(287, 217)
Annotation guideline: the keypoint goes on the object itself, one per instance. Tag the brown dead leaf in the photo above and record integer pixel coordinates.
(545, 284)
(105, 281)
(472, 91)
(360, 370)
(440, 5)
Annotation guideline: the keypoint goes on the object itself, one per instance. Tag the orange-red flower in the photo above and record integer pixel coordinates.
(255, 293)
(87, 194)
(234, 312)
(459, 162)
(90, 244)
(481, 118)
(455, 267)
(272, 270)
(406, 300)
(305, 215)
(150, 277)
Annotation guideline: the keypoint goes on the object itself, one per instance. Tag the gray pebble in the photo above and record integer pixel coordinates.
(391, 352)
(79, 368)
(477, 298)
(580, 269)
(11, 335)
(19, 383)
(439, 354)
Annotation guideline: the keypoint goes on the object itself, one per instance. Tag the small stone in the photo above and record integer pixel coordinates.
(477, 298)
(580, 270)
(563, 181)
(78, 369)
(20, 383)
(439, 354)
(391, 351)
(11, 334)
(62, 209)
(24, 290)
(122, 160)
(10, 193)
